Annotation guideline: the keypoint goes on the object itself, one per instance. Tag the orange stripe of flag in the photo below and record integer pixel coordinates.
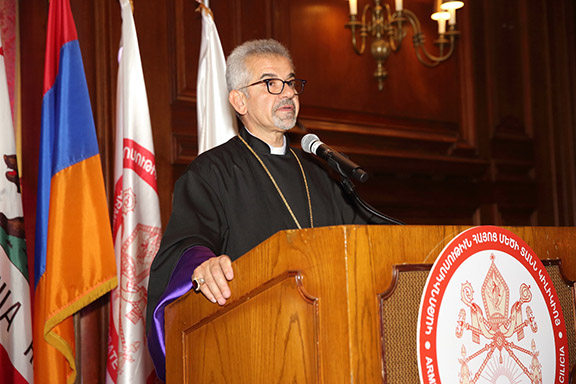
(77, 271)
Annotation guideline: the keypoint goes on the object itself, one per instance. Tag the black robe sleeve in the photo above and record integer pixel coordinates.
(226, 202)
(197, 219)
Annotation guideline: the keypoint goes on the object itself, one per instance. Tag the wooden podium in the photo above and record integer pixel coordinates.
(331, 305)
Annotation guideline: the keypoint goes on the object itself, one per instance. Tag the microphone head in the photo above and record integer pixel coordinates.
(307, 142)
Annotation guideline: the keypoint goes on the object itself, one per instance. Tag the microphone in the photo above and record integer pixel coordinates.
(347, 168)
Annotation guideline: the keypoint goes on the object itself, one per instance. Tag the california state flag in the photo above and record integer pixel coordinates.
(136, 222)
(15, 316)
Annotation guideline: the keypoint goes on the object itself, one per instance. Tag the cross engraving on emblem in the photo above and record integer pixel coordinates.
(498, 326)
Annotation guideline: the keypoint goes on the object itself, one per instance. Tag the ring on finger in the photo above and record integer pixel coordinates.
(197, 283)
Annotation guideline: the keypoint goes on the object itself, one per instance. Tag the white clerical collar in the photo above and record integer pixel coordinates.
(273, 150)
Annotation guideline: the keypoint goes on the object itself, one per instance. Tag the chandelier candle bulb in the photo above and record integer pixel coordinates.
(441, 26)
(398, 5)
(451, 4)
(353, 7)
(441, 17)
(452, 12)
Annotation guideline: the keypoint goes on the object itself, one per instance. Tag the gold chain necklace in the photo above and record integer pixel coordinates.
(278, 188)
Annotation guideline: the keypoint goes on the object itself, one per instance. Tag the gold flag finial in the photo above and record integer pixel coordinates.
(203, 7)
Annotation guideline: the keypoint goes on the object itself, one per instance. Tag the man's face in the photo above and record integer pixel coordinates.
(265, 111)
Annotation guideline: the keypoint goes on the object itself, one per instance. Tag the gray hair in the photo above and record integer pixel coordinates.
(237, 74)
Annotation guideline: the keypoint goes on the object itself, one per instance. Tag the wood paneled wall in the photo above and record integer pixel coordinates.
(486, 138)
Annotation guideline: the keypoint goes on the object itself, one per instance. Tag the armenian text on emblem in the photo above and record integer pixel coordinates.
(490, 314)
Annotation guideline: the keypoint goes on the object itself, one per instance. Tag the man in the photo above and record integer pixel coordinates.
(235, 196)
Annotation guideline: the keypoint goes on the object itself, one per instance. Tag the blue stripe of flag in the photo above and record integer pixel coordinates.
(68, 136)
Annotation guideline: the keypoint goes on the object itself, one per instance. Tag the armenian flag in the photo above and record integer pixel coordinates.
(74, 254)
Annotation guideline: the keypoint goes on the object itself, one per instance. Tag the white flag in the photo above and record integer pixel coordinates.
(16, 324)
(136, 222)
(216, 117)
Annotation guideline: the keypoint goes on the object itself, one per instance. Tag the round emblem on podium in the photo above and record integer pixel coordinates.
(490, 313)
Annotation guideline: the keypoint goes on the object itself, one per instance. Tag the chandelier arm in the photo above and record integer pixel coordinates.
(393, 32)
(354, 24)
(364, 29)
(394, 43)
(359, 51)
(418, 43)
(424, 61)
(413, 19)
(442, 57)
(430, 60)
(367, 27)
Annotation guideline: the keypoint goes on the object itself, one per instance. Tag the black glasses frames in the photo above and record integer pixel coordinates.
(276, 86)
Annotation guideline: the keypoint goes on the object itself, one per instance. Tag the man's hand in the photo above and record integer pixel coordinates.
(216, 272)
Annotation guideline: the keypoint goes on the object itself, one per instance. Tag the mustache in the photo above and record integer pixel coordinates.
(284, 103)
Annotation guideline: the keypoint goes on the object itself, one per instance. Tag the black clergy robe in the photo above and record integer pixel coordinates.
(226, 202)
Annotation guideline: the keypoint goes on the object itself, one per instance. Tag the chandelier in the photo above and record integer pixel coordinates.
(387, 30)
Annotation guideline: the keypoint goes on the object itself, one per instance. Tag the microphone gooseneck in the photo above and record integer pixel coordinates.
(346, 167)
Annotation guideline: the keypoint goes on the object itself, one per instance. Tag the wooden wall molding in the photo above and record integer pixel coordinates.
(184, 148)
(184, 20)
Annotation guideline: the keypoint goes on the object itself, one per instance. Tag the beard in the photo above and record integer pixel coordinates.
(289, 120)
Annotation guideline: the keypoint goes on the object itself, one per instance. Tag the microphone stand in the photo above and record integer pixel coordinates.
(351, 190)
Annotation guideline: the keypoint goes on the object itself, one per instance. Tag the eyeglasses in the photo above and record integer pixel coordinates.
(276, 86)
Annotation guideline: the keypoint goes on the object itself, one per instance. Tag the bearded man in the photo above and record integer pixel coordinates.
(233, 197)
